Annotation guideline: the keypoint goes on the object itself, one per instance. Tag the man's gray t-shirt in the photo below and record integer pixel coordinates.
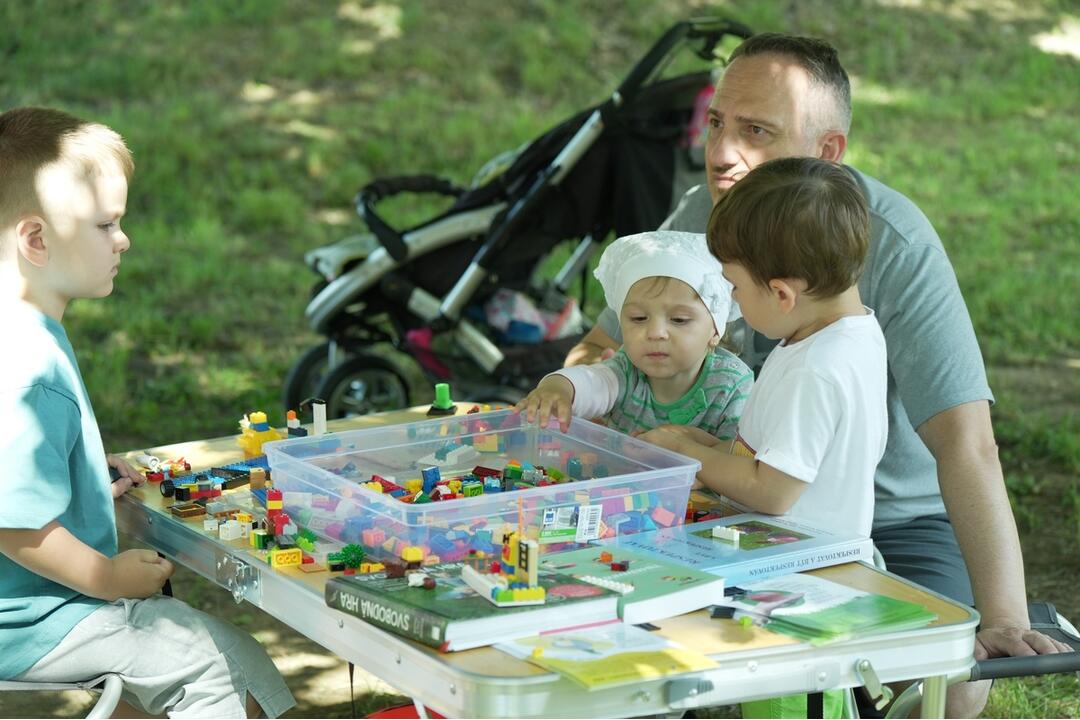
(934, 359)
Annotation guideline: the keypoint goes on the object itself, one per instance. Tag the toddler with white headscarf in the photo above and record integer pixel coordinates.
(673, 305)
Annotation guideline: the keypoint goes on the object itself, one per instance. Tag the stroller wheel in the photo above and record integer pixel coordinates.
(361, 385)
(306, 375)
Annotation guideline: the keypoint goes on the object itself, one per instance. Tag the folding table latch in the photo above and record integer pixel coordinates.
(239, 578)
(880, 694)
(686, 688)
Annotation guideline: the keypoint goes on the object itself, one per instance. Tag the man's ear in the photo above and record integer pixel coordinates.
(833, 146)
(786, 292)
(30, 240)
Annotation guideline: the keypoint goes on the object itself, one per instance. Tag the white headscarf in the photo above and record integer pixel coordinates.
(665, 253)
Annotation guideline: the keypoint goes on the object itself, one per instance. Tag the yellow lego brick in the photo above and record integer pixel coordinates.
(414, 485)
(455, 485)
(412, 554)
(288, 557)
(273, 505)
(243, 517)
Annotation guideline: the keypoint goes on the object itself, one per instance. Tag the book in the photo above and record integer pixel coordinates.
(818, 611)
(658, 588)
(451, 616)
(767, 546)
(608, 656)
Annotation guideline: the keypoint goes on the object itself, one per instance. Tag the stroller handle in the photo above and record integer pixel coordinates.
(710, 30)
(380, 189)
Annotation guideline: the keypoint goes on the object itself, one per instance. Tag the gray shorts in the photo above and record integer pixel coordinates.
(925, 551)
(172, 658)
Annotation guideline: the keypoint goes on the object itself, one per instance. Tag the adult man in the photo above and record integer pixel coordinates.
(784, 96)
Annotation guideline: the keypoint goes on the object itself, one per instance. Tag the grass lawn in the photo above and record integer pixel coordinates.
(253, 123)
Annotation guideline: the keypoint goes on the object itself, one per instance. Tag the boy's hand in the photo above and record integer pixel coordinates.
(136, 574)
(689, 432)
(666, 436)
(128, 478)
(553, 397)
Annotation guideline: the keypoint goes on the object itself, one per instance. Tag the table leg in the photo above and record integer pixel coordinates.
(933, 696)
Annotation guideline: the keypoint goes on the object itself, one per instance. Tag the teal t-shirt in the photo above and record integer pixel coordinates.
(714, 403)
(52, 467)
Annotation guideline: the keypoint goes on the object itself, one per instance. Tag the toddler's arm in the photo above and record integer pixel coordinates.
(56, 554)
(743, 479)
(583, 390)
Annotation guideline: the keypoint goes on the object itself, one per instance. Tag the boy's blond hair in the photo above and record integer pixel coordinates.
(794, 218)
(33, 138)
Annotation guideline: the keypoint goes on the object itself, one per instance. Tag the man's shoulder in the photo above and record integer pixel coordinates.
(692, 212)
(894, 217)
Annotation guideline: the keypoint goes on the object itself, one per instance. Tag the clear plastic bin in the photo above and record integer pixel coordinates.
(626, 485)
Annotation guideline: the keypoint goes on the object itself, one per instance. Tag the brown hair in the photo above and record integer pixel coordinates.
(33, 138)
(819, 59)
(794, 218)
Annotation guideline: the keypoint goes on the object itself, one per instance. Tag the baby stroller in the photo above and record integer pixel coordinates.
(397, 300)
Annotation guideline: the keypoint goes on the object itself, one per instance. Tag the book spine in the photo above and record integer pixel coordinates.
(372, 607)
(807, 560)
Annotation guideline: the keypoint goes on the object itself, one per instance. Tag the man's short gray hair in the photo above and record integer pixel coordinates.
(820, 61)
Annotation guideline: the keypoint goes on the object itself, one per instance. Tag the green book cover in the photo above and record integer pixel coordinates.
(451, 616)
(818, 611)
(661, 588)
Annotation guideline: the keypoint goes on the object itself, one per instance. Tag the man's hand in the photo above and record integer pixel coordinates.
(135, 574)
(129, 476)
(553, 397)
(1004, 640)
(597, 345)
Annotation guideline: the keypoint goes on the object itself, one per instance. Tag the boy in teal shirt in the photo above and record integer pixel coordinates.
(71, 606)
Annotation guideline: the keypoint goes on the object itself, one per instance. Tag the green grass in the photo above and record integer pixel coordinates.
(254, 122)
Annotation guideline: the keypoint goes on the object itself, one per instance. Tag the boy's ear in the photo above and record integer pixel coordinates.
(30, 240)
(786, 292)
(714, 341)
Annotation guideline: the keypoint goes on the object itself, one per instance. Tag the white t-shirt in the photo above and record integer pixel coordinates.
(817, 412)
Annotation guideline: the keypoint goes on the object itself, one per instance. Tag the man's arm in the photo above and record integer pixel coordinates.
(597, 345)
(54, 553)
(973, 488)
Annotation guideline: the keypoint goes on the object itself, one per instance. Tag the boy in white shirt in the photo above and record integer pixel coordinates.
(792, 236)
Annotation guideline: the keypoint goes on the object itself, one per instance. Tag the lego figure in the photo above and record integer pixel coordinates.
(254, 431)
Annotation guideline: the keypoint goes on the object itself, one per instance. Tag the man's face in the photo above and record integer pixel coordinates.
(758, 114)
(83, 234)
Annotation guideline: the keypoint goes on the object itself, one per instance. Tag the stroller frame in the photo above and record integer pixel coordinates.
(366, 296)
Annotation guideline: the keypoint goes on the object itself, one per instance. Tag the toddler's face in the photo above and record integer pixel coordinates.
(667, 330)
(83, 232)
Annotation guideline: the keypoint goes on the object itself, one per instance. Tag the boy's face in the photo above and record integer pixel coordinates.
(82, 232)
(666, 333)
(758, 304)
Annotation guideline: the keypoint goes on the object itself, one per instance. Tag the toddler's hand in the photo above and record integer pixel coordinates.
(553, 397)
(137, 574)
